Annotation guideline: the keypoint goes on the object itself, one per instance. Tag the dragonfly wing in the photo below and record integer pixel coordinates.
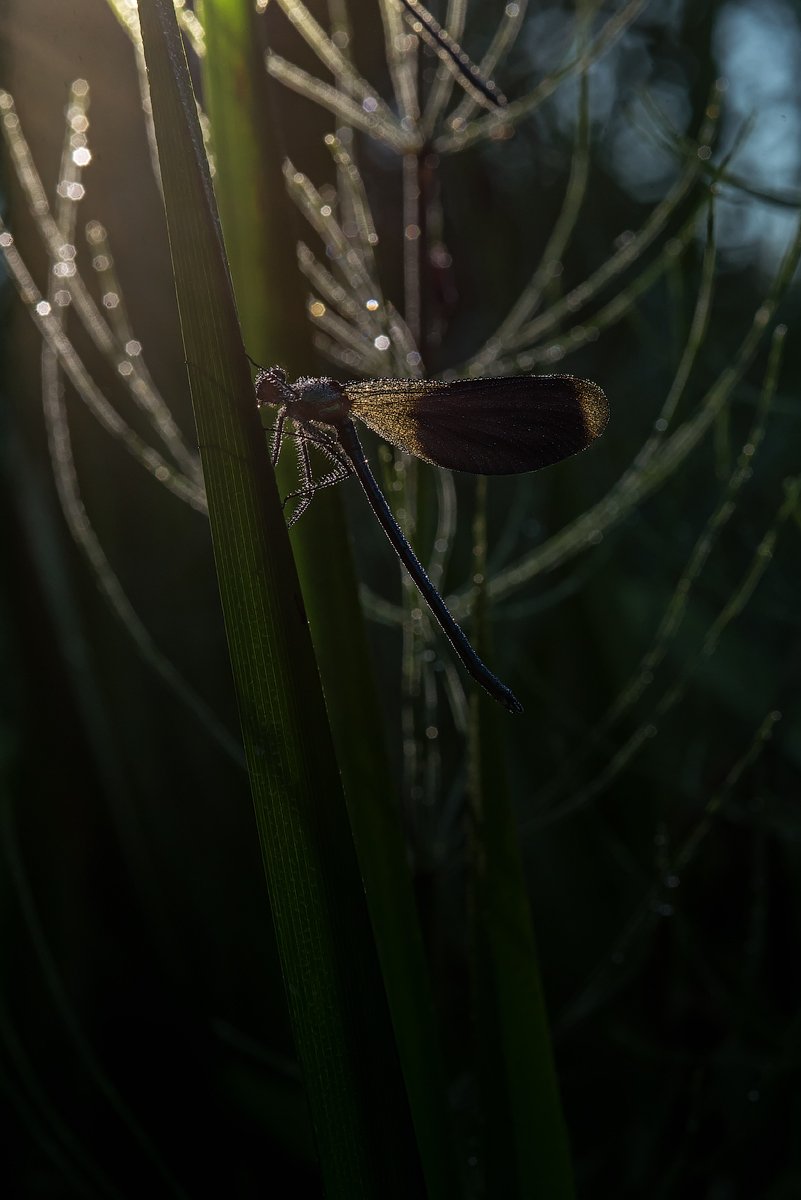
(486, 426)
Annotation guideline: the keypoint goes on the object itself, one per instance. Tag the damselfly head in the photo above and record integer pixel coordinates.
(272, 387)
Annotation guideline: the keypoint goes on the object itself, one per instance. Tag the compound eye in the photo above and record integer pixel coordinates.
(273, 375)
(271, 386)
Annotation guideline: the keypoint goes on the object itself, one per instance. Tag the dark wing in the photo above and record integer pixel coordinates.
(488, 426)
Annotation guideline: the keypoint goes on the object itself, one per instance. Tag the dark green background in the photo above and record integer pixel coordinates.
(674, 1001)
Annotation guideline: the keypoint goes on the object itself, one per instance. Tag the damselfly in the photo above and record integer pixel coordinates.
(487, 426)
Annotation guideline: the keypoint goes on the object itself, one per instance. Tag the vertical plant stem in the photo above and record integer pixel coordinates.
(335, 996)
(526, 1151)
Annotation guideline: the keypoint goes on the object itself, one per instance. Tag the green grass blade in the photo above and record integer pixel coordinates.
(334, 992)
(525, 1139)
(255, 226)
(527, 1152)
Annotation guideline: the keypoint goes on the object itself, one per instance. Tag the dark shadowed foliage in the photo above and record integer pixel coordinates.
(580, 971)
